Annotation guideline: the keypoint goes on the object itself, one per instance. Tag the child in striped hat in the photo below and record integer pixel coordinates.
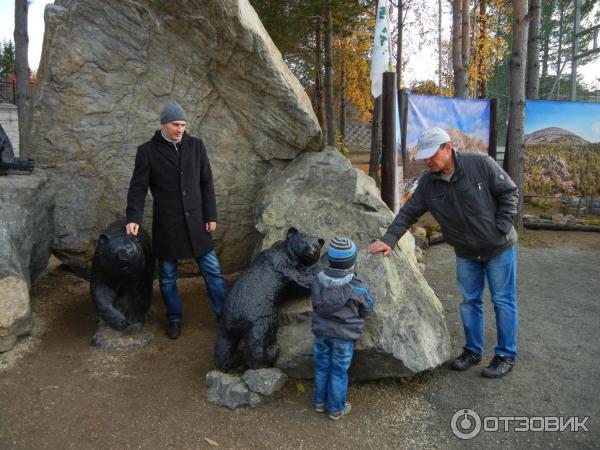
(340, 303)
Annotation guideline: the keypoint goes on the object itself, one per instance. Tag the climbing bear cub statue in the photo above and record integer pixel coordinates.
(122, 273)
(250, 310)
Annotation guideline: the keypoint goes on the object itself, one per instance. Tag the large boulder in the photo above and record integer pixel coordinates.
(26, 206)
(322, 194)
(107, 69)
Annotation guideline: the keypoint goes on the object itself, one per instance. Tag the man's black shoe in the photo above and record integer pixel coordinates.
(173, 330)
(499, 366)
(466, 360)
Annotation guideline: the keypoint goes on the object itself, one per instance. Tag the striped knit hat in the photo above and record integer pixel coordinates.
(341, 253)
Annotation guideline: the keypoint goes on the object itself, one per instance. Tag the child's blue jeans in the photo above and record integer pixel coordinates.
(332, 358)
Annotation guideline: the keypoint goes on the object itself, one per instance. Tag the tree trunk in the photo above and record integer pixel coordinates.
(516, 113)
(460, 70)
(318, 72)
(545, 57)
(375, 140)
(465, 46)
(440, 46)
(399, 57)
(559, 53)
(343, 97)
(329, 98)
(481, 76)
(22, 67)
(533, 42)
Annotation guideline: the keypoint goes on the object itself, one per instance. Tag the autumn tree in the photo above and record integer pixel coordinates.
(490, 42)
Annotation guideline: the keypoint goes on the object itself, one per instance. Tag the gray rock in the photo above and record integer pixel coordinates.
(322, 194)
(265, 381)
(15, 313)
(107, 68)
(230, 391)
(26, 205)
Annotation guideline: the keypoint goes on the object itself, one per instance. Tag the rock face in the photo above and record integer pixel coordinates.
(322, 194)
(107, 69)
(26, 206)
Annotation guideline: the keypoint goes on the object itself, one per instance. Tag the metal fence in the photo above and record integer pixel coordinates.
(8, 92)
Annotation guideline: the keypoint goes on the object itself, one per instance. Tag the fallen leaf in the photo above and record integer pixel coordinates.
(211, 442)
(289, 402)
(300, 388)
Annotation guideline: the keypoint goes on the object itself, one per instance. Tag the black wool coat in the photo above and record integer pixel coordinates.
(184, 197)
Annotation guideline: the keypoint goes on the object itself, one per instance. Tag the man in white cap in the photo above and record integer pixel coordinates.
(474, 201)
(175, 166)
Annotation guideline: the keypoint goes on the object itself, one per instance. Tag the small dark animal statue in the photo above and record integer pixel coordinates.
(10, 164)
(121, 284)
(250, 310)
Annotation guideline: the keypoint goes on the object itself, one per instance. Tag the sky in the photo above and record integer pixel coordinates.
(421, 65)
(583, 119)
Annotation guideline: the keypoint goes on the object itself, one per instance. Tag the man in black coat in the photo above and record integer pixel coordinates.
(474, 201)
(175, 166)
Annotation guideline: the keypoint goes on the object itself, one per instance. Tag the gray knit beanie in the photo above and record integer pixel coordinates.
(172, 112)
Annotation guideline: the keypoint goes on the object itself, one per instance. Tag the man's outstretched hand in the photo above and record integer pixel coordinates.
(380, 246)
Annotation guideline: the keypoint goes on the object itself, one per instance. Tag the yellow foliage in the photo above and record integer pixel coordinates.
(353, 59)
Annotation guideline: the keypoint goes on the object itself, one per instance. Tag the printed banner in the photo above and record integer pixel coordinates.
(466, 121)
(562, 149)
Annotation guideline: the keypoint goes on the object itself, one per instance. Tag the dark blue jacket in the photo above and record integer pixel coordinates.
(340, 303)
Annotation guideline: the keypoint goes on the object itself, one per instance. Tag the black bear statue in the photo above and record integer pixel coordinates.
(9, 163)
(250, 310)
(121, 280)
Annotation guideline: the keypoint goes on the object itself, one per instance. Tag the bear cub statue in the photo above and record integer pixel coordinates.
(121, 282)
(250, 309)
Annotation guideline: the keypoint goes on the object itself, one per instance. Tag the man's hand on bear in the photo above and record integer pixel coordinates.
(210, 226)
(132, 229)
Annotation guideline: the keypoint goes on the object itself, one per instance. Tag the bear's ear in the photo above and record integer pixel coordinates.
(103, 239)
(291, 231)
(321, 242)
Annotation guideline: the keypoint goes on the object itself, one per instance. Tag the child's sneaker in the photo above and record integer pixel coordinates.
(320, 408)
(342, 413)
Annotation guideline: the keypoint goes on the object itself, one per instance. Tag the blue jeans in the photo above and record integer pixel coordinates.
(501, 274)
(332, 358)
(211, 272)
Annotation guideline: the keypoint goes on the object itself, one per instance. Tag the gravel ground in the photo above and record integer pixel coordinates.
(56, 392)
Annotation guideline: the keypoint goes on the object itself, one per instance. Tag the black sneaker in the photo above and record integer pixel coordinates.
(499, 366)
(173, 330)
(466, 360)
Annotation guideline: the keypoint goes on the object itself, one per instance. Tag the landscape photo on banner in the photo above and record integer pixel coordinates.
(467, 122)
(562, 149)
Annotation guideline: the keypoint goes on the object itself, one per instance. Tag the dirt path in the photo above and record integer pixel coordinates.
(60, 393)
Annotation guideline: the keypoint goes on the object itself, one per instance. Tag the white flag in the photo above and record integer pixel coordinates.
(381, 48)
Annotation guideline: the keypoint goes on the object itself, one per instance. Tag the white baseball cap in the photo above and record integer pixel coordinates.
(430, 141)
